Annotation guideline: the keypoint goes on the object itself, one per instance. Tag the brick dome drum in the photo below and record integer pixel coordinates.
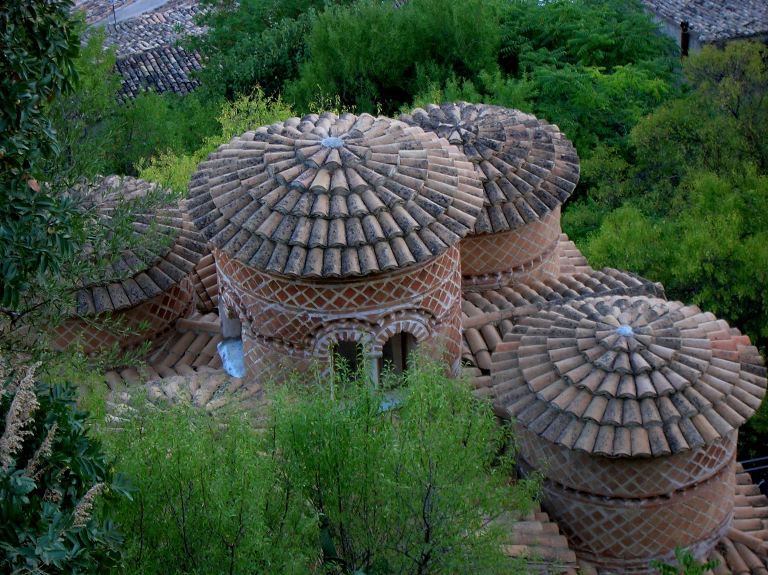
(146, 288)
(337, 228)
(630, 406)
(528, 169)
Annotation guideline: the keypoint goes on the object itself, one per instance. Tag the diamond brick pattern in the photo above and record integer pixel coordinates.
(625, 535)
(494, 260)
(157, 314)
(614, 477)
(293, 318)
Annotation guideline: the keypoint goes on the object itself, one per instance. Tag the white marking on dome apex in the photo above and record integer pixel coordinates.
(332, 142)
(625, 330)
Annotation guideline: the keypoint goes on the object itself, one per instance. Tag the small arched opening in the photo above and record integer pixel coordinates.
(396, 351)
(347, 354)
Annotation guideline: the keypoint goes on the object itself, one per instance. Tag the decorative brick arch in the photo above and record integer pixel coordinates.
(344, 330)
(414, 322)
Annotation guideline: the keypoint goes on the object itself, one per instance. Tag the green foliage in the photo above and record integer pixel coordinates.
(371, 53)
(414, 489)
(263, 56)
(153, 123)
(174, 170)
(209, 499)
(40, 44)
(81, 117)
(52, 474)
(589, 33)
(686, 564)
(336, 483)
(693, 192)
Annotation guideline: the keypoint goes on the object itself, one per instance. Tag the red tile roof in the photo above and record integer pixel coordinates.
(166, 247)
(528, 167)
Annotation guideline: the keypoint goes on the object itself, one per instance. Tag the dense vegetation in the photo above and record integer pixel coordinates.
(335, 483)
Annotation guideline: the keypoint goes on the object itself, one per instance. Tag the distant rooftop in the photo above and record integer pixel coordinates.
(715, 20)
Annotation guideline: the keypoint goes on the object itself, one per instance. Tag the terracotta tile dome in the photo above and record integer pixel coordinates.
(630, 408)
(630, 377)
(335, 196)
(167, 246)
(528, 167)
(144, 289)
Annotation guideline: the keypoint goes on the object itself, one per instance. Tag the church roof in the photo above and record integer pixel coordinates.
(166, 250)
(335, 196)
(628, 376)
(528, 166)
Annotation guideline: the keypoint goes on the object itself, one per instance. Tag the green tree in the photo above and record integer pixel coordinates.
(39, 45)
(372, 54)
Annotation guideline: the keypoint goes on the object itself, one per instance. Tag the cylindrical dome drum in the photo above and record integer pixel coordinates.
(630, 408)
(528, 170)
(145, 289)
(330, 230)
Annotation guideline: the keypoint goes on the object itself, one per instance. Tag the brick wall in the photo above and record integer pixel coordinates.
(624, 535)
(289, 322)
(493, 260)
(624, 477)
(622, 513)
(130, 327)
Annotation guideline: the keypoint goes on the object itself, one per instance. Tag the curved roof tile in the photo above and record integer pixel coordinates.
(528, 167)
(165, 247)
(628, 376)
(335, 196)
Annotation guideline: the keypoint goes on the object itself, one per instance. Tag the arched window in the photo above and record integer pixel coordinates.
(350, 352)
(394, 354)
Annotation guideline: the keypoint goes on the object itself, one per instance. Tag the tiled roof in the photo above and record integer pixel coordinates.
(96, 10)
(627, 376)
(327, 196)
(162, 27)
(528, 167)
(489, 315)
(744, 549)
(167, 249)
(715, 20)
(537, 539)
(161, 69)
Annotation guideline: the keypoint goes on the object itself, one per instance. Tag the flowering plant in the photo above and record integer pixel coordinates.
(52, 474)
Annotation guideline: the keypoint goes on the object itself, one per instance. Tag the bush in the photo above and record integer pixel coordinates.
(52, 474)
(174, 170)
(372, 54)
(208, 500)
(336, 483)
(414, 489)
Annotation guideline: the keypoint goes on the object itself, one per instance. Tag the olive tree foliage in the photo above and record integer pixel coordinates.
(39, 43)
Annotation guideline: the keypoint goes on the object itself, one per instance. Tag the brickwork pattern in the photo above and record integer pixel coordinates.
(625, 535)
(149, 320)
(300, 319)
(633, 478)
(528, 252)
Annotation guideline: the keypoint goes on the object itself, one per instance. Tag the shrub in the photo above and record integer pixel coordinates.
(336, 483)
(52, 474)
(174, 170)
(208, 499)
(414, 489)
(371, 53)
